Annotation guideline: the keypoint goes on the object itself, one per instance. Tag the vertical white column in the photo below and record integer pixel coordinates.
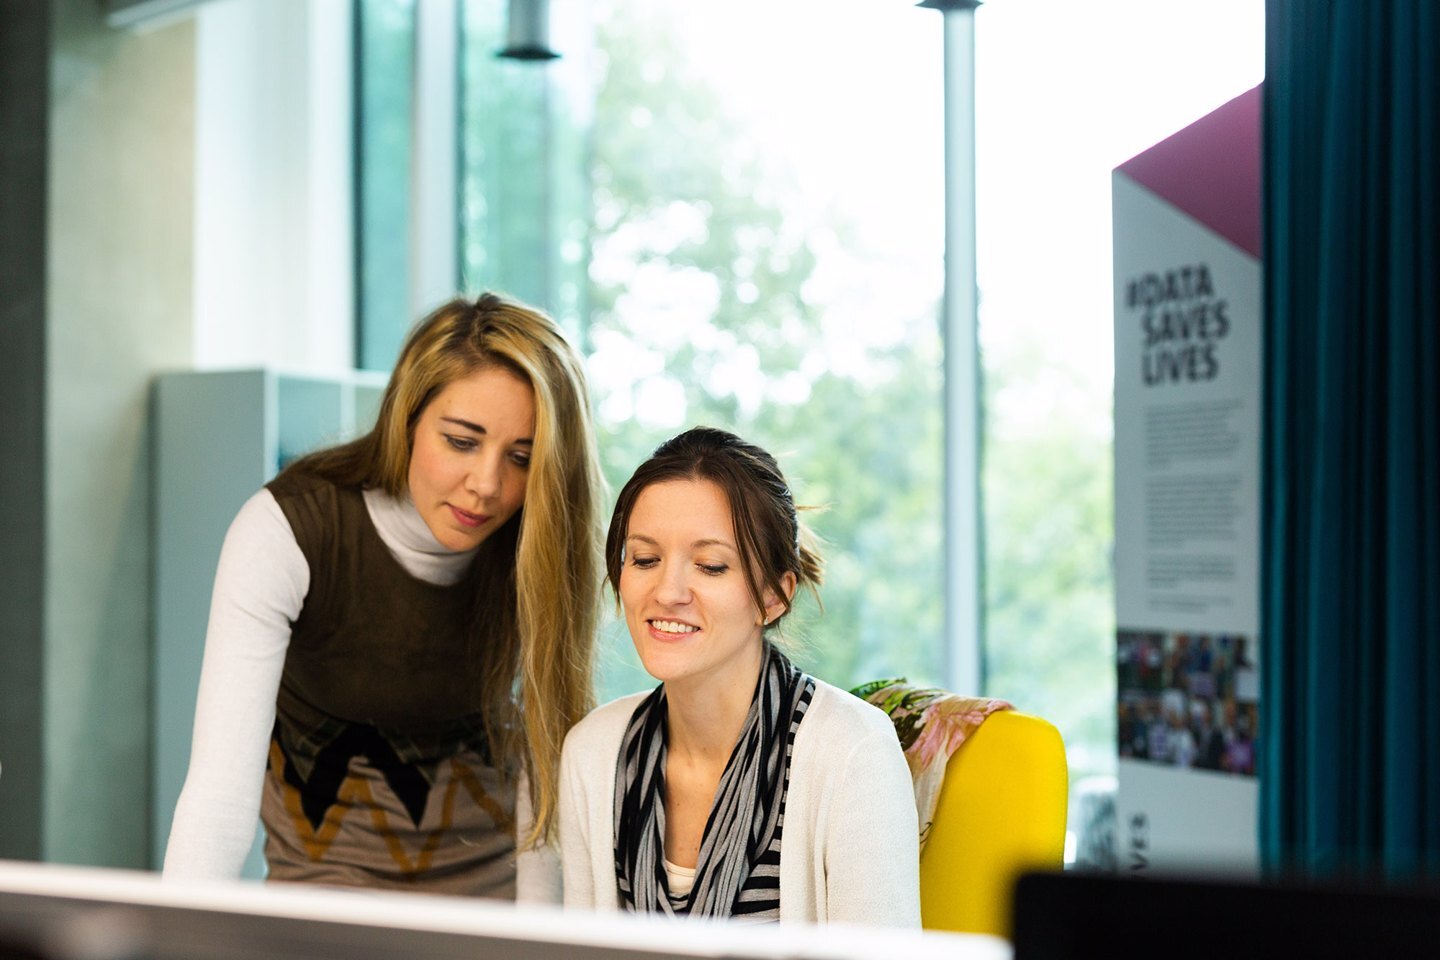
(273, 225)
(435, 221)
(330, 342)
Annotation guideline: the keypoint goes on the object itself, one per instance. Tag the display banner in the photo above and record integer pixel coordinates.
(1187, 494)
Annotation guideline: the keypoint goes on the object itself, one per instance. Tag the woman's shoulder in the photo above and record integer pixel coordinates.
(840, 713)
(295, 482)
(606, 722)
(317, 507)
(260, 522)
(262, 575)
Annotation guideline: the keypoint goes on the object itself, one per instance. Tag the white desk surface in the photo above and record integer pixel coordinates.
(26, 886)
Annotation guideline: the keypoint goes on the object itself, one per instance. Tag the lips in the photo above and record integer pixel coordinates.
(467, 519)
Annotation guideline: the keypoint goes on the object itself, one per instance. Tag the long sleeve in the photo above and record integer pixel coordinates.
(575, 853)
(537, 871)
(871, 847)
(587, 805)
(260, 586)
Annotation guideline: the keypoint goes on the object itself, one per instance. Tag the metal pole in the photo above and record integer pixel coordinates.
(964, 543)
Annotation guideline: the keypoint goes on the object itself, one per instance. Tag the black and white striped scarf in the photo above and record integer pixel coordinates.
(747, 807)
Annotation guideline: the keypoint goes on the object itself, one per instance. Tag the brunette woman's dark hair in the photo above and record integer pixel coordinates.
(771, 539)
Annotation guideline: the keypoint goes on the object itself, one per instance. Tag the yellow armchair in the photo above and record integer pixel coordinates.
(1000, 813)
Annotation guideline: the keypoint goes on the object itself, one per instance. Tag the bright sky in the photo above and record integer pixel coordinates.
(848, 95)
(1066, 91)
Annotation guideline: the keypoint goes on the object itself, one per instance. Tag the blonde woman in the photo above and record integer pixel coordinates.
(401, 630)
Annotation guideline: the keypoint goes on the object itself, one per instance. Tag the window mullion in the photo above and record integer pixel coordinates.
(434, 184)
(963, 535)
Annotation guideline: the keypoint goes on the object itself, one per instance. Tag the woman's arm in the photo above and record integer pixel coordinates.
(260, 587)
(872, 844)
(537, 871)
(575, 858)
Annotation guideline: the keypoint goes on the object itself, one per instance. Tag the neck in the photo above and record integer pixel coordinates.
(706, 714)
(410, 540)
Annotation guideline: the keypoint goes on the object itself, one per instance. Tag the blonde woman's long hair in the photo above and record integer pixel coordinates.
(538, 578)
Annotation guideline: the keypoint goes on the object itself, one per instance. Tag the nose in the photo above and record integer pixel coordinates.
(485, 476)
(674, 586)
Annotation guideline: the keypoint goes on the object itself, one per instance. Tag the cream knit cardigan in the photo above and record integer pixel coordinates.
(849, 852)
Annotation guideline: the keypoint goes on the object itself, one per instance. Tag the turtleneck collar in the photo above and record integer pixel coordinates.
(407, 535)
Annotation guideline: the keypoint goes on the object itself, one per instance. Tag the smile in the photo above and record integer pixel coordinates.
(466, 518)
(672, 626)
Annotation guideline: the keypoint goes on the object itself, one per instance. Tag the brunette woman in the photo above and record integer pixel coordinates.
(740, 786)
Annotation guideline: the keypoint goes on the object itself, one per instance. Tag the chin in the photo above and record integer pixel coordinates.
(661, 667)
(458, 541)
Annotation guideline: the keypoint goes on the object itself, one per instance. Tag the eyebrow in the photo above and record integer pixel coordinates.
(708, 542)
(526, 441)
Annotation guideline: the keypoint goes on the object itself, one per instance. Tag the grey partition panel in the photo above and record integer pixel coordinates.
(311, 416)
(215, 436)
(365, 401)
(219, 437)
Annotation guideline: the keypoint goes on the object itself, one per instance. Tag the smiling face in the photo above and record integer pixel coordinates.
(470, 456)
(685, 595)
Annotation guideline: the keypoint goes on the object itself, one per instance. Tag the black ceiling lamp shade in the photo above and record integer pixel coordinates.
(527, 33)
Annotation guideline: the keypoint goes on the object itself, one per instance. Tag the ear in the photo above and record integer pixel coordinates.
(774, 606)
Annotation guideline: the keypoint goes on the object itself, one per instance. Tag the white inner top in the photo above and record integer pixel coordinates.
(681, 879)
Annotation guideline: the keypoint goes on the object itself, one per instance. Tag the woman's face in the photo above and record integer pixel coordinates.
(684, 593)
(470, 456)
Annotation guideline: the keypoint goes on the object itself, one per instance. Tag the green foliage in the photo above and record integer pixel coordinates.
(1050, 618)
(685, 197)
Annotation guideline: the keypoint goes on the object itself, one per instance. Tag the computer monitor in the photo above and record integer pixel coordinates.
(1073, 915)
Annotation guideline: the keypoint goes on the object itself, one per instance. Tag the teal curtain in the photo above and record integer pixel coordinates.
(1350, 769)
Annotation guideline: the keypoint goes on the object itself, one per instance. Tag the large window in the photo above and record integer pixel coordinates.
(756, 248)
(1064, 93)
(737, 210)
(384, 93)
(524, 157)
(766, 256)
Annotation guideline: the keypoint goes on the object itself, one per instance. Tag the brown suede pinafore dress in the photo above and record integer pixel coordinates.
(379, 774)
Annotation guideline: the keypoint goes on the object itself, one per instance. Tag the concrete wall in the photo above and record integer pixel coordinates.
(176, 196)
(24, 142)
(119, 307)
